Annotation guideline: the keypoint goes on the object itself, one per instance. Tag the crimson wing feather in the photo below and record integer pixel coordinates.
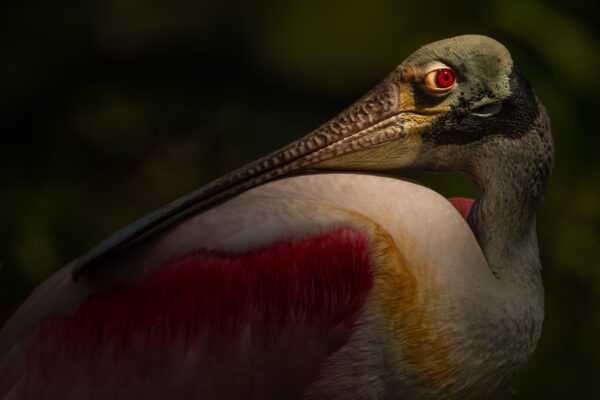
(211, 325)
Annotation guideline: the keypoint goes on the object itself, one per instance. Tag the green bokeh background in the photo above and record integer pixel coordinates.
(112, 108)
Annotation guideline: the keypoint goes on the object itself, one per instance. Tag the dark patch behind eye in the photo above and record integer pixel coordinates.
(517, 114)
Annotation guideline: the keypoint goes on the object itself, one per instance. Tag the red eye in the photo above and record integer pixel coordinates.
(445, 78)
(440, 80)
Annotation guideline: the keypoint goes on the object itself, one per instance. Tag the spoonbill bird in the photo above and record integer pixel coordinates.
(269, 284)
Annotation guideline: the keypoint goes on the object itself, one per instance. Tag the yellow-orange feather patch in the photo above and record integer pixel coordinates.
(407, 297)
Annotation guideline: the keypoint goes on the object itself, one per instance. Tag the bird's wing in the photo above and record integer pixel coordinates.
(253, 325)
(246, 300)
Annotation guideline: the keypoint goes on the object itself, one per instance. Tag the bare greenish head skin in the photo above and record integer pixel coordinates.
(403, 122)
(479, 60)
(482, 68)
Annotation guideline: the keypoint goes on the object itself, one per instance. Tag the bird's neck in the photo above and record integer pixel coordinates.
(511, 178)
(503, 221)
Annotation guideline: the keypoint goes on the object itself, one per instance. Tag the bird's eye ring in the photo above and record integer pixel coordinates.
(440, 80)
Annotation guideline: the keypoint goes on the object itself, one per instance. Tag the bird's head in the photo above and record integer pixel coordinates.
(446, 106)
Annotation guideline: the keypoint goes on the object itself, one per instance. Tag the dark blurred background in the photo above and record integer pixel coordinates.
(112, 108)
